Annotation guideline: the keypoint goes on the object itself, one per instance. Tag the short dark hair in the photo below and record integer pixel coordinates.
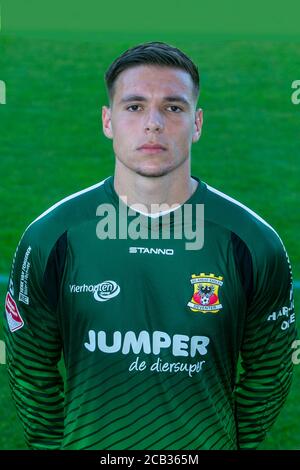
(151, 53)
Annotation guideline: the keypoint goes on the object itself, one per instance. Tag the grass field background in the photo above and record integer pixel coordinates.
(51, 145)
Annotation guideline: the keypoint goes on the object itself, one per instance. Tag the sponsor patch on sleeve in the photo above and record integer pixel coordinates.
(14, 319)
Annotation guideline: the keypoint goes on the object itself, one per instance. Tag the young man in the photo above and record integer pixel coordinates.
(151, 324)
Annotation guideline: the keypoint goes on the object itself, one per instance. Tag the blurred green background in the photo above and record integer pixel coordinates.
(51, 144)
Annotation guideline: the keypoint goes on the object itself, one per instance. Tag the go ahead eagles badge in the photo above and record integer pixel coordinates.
(206, 293)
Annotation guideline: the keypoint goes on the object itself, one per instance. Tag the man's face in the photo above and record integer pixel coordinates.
(152, 105)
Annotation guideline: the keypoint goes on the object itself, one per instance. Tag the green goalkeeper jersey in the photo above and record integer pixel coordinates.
(150, 332)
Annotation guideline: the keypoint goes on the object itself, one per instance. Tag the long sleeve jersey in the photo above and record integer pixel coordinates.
(151, 332)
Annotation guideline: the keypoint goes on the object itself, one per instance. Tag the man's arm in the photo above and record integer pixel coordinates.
(266, 350)
(33, 347)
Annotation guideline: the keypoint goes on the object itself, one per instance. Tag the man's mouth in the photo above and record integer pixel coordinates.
(152, 148)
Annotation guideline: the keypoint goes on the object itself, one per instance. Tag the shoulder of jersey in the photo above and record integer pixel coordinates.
(71, 210)
(234, 216)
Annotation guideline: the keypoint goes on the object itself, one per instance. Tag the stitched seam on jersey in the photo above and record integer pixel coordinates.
(234, 201)
(68, 198)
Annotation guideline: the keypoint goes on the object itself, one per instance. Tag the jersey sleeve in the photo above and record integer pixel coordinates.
(266, 352)
(33, 347)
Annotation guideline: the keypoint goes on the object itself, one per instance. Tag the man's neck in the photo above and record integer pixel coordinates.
(168, 191)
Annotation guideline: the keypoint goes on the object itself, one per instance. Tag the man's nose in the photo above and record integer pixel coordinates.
(154, 121)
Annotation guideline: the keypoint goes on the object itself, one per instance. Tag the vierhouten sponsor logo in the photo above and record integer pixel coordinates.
(102, 292)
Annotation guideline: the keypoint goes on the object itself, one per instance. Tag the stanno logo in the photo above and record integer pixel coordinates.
(104, 291)
(151, 251)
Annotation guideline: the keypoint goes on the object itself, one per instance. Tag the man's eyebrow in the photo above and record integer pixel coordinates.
(128, 98)
(178, 99)
(172, 98)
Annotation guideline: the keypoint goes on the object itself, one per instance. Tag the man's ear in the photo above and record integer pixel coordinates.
(106, 122)
(197, 125)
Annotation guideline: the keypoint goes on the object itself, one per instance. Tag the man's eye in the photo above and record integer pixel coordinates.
(175, 109)
(135, 106)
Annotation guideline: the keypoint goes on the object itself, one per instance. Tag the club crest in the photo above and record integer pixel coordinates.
(206, 293)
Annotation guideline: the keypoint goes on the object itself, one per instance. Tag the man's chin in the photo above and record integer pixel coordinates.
(153, 172)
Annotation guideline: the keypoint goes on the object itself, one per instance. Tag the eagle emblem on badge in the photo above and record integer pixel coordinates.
(206, 293)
